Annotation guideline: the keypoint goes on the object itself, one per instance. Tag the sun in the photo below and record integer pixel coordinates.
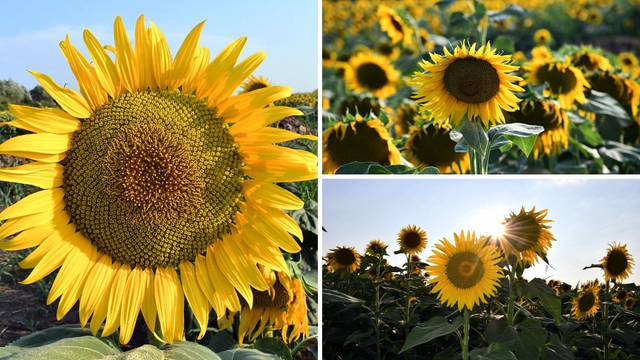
(488, 221)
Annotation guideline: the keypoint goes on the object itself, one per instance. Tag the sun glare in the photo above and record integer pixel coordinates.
(488, 221)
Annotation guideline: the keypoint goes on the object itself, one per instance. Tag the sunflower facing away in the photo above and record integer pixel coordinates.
(464, 273)
(565, 81)
(376, 247)
(590, 60)
(343, 258)
(393, 25)
(358, 140)
(255, 83)
(475, 82)
(412, 240)
(158, 184)
(618, 263)
(526, 235)
(586, 304)
(282, 307)
(430, 145)
(547, 114)
(368, 72)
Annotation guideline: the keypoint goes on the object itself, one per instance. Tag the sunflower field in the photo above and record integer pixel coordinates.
(481, 86)
(471, 298)
(168, 208)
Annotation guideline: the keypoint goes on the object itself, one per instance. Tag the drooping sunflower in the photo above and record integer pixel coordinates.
(542, 36)
(371, 73)
(475, 82)
(412, 240)
(565, 81)
(526, 235)
(430, 145)
(282, 307)
(358, 140)
(628, 62)
(589, 59)
(158, 184)
(617, 264)
(626, 91)
(343, 258)
(394, 26)
(376, 247)
(464, 273)
(547, 114)
(254, 83)
(586, 304)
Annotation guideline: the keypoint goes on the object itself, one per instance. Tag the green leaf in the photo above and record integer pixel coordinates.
(77, 348)
(511, 10)
(620, 152)
(538, 288)
(358, 167)
(273, 346)
(493, 352)
(434, 328)
(329, 295)
(504, 43)
(246, 354)
(499, 331)
(602, 103)
(589, 135)
(474, 135)
(514, 129)
(50, 335)
(525, 144)
(188, 350)
(145, 352)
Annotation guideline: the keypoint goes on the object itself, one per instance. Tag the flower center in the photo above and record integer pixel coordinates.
(535, 113)
(152, 178)
(346, 145)
(433, 147)
(396, 24)
(371, 76)
(522, 232)
(585, 61)
(345, 257)
(471, 80)
(465, 270)
(411, 240)
(586, 301)
(616, 262)
(561, 81)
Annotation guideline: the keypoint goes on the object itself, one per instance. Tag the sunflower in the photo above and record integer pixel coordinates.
(618, 263)
(358, 140)
(359, 105)
(469, 81)
(519, 57)
(282, 307)
(547, 114)
(542, 36)
(328, 58)
(586, 303)
(541, 53)
(590, 60)
(343, 258)
(620, 296)
(628, 62)
(464, 273)
(389, 50)
(564, 80)
(371, 73)
(626, 91)
(393, 25)
(376, 247)
(254, 83)
(404, 117)
(158, 184)
(594, 17)
(417, 265)
(430, 145)
(412, 240)
(526, 235)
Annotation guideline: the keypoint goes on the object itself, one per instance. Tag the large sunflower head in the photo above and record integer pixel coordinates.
(589, 59)
(343, 258)
(547, 114)
(376, 247)
(526, 235)
(628, 62)
(430, 145)
(158, 183)
(359, 140)
(472, 82)
(618, 263)
(371, 73)
(465, 272)
(626, 91)
(412, 239)
(255, 83)
(394, 26)
(542, 36)
(283, 307)
(586, 303)
(565, 81)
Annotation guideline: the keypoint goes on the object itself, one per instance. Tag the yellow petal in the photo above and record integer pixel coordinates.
(100, 312)
(42, 175)
(39, 202)
(272, 195)
(240, 73)
(85, 75)
(28, 238)
(47, 120)
(170, 304)
(134, 295)
(184, 58)
(69, 100)
(125, 58)
(116, 296)
(277, 163)
(161, 58)
(106, 70)
(207, 286)
(253, 100)
(269, 135)
(15, 225)
(143, 54)
(223, 287)
(149, 311)
(97, 285)
(36, 143)
(53, 257)
(197, 300)
(216, 73)
(246, 124)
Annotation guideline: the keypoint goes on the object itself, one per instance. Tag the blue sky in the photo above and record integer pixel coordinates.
(587, 214)
(286, 30)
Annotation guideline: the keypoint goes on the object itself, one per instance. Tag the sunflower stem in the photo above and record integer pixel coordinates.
(377, 310)
(605, 315)
(408, 307)
(465, 337)
(511, 295)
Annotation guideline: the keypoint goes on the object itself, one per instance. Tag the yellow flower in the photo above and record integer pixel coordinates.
(519, 56)
(254, 83)
(526, 235)
(586, 303)
(158, 184)
(542, 36)
(564, 80)
(626, 91)
(376, 247)
(547, 114)
(393, 25)
(371, 73)
(618, 263)
(466, 272)
(628, 62)
(430, 145)
(412, 240)
(594, 17)
(343, 258)
(541, 53)
(590, 60)
(359, 140)
(474, 82)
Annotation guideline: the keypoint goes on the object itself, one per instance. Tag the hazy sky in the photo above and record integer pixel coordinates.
(587, 214)
(30, 31)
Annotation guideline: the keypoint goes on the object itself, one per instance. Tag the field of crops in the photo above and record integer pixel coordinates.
(471, 297)
(481, 86)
